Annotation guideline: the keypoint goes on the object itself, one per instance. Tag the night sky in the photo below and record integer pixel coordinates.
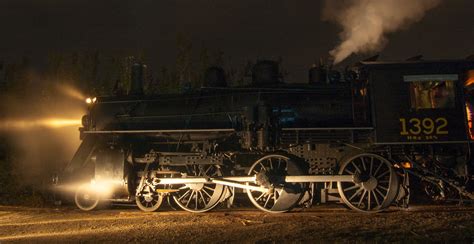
(242, 29)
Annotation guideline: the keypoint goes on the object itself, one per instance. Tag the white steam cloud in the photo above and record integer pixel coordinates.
(366, 22)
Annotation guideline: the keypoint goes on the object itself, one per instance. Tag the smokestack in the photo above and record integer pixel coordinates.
(136, 85)
(318, 74)
(365, 23)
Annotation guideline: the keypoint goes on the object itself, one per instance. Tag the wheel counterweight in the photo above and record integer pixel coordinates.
(271, 171)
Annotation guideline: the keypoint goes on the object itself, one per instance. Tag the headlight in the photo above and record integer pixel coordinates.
(91, 100)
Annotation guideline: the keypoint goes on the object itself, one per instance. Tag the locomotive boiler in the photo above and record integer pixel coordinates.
(355, 138)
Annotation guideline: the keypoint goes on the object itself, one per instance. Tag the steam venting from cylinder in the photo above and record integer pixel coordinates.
(366, 23)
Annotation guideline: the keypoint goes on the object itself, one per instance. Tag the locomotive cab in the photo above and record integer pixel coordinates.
(419, 102)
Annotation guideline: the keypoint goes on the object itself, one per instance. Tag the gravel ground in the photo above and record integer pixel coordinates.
(419, 224)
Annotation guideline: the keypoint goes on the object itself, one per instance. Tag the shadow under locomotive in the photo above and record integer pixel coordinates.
(355, 138)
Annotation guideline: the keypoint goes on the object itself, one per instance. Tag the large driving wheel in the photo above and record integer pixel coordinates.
(86, 198)
(271, 171)
(200, 197)
(375, 184)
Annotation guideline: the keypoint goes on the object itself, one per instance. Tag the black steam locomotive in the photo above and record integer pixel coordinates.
(354, 138)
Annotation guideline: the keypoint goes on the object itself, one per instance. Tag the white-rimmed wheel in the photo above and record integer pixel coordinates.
(375, 184)
(86, 198)
(271, 171)
(148, 199)
(200, 197)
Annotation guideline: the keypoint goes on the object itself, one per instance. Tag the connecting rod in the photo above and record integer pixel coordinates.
(240, 181)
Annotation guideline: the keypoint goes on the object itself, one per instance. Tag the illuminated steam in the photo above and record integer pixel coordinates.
(62, 110)
(366, 22)
(41, 130)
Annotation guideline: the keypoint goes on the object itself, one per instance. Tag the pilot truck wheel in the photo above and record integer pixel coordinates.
(86, 198)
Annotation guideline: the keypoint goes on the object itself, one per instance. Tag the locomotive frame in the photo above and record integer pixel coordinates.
(285, 145)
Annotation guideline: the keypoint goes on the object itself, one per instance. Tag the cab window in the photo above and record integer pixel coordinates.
(432, 91)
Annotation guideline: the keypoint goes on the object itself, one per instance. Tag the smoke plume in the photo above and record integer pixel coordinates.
(366, 23)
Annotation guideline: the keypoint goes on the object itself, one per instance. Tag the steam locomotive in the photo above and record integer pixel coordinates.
(355, 138)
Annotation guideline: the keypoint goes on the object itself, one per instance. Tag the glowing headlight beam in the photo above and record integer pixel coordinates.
(70, 91)
(53, 123)
(57, 123)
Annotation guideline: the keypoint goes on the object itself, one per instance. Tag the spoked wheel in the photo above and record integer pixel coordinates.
(86, 198)
(201, 197)
(148, 199)
(375, 184)
(271, 171)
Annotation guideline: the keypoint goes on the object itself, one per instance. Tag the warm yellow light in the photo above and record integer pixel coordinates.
(470, 78)
(91, 100)
(22, 124)
(104, 187)
(55, 123)
(71, 91)
(406, 165)
(469, 122)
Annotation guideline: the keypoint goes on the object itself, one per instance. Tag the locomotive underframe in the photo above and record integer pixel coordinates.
(321, 163)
